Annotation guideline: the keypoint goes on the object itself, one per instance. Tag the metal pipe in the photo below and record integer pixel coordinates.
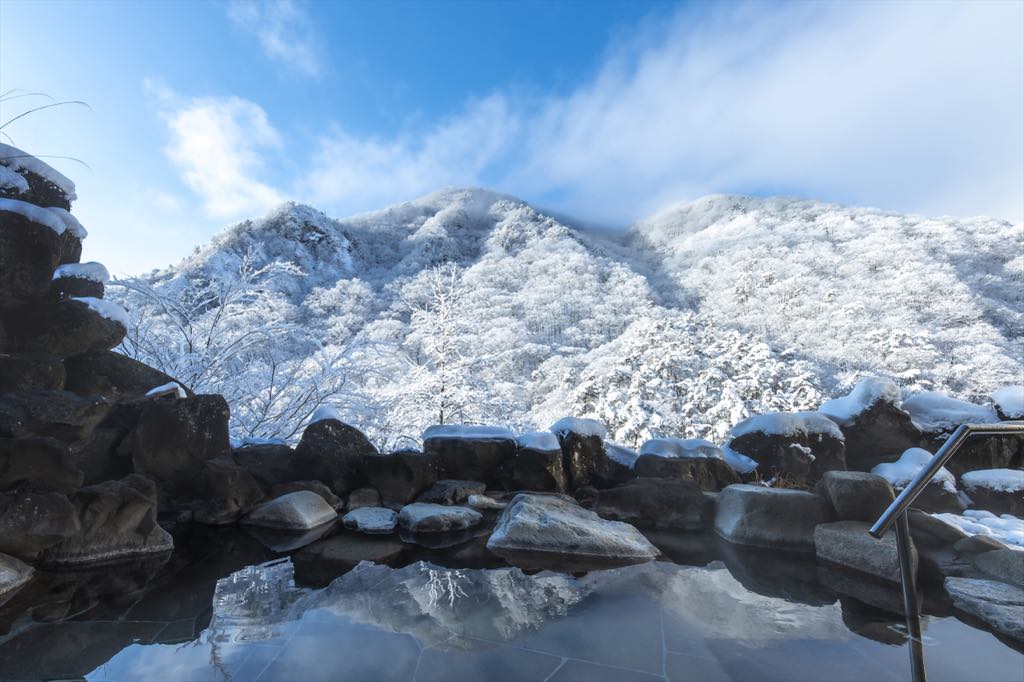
(948, 449)
(910, 607)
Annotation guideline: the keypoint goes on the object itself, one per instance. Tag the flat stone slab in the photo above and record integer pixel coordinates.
(371, 520)
(421, 517)
(997, 604)
(847, 544)
(301, 510)
(557, 525)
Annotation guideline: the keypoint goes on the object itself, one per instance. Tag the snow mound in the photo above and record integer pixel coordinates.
(545, 441)
(16, 160)
(934, 412)
(1010, 401)
(581, 427)
(325, 412)
(901, 472)
(171, 386)
(739, 462)
(679, 447)
(107, 309)
(237, 443)
(468, 431)
(1008, 480)
(621, 454)
(788, 424)
(866, 393)
(94, 272)
(71, 223)
(1006, 528)
(36, 214)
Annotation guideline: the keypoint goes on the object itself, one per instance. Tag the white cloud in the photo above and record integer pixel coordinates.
(217, 145)
(284, 30)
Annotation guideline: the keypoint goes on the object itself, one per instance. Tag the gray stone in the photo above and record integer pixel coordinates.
(29, 252)
(227, 491)
(998, 605)
(38, 463)
(801, 456)
(421, 517)
(330, 451)
(32, 522)
(449, 491)
(399, 476)
(371, 520)
(112, 375)
(13, 574)
(270, 464)
(556, 526)
(1002, 564)
(313, 486)
(770, 517)
(30, 373)
(661, 503)
(50, 414)
(298, 511)
(60, 329)
(708, 473)
(847, 544)
(363, 497)
(1000, 491)
(856, 495)
(536, 469)
(470, 458)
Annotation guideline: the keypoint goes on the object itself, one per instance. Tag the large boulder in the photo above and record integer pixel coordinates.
(118, 522)
(76, 280)
(298, 511)
(448, 491)
(422, 517)
(996, 604)
(363, 497)
(371, 520)
(31, 373)
(1000, 491)
(317, 487)
(29, 251)
(39, 464)
(798, 446)
(690, 460)
(227, 492)
(270, 463)
(875, 428)
(32, 522)
(63, 328)
(538, 463)
(779, 518)
(555, 527)
(112, 375)
(330, 451)
(40, 185)
(584, 457)
(661, 503)
(175, 437)
(856, 495)
(470, 453)
(848, 544)
(940, 495)
(1004, 564)
(54, 414)
(399, 476)
(13, 574)
(97, 456)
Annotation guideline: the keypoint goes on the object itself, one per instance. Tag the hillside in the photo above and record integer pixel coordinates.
(471, 306)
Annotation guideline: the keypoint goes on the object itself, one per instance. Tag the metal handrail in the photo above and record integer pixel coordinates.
(896, 515)
(948, 449)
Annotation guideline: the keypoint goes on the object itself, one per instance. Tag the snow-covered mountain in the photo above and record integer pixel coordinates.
(472, 306)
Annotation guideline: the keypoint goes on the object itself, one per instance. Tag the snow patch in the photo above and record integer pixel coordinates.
(172, 386)
(788, 424)
(1006, 528)
(16, 160)
(325, 412)
(9, 180)
(468, 431)
(866, 393)
(581, 427)
(934, 412)
(739, 462)
(94, 272)
(1006, 480)
(901, 472)
(545, 441)
(71, 223)
(36, 214)
(1010, 401)
(621, 454)
(107, 309)
(679, 447)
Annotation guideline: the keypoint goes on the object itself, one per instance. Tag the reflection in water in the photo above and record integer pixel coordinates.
(744, 616)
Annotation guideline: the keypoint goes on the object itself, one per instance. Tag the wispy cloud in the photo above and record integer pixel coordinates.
(284, 30)
(218, 146)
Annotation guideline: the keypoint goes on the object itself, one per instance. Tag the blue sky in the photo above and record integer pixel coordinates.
(205, 113)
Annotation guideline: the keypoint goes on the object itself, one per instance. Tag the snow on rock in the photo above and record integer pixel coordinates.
(424, 517)
(621, 454)
(105, 308)
(738, 461)
(94, 272)
(371, 520)
(544, 441)
(1006, 528)
(866, 393)
(468, 431)
(679, 447)
(301, 510)
(16, 160)
(934, 412)
(36, 214)
(9, 180)
(788, 424)
(1006, 480)
(325, 412)
(1010, 401)
(581, 427)
(170, 387)
(485, 503)
(71, 223)
(901, 472)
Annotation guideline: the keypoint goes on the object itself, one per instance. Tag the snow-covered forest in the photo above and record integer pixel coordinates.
(469, 307)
